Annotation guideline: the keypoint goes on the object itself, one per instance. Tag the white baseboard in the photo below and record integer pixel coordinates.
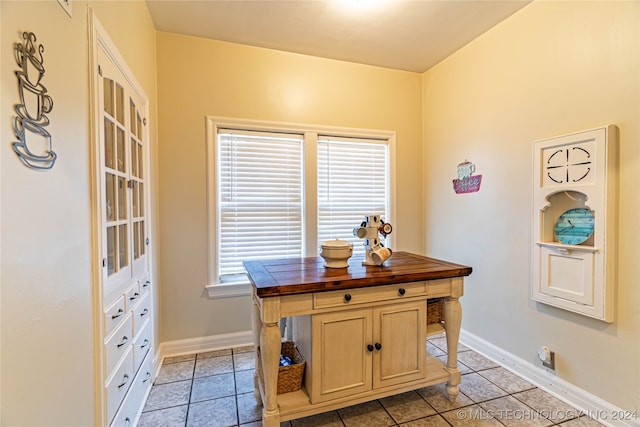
(591, 405)
(203, 344)
(157, 362)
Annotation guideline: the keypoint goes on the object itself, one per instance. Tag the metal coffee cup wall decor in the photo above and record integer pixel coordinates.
(466, 181)
(34, 141)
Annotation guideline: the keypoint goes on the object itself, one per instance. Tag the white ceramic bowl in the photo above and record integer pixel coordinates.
(336, 253)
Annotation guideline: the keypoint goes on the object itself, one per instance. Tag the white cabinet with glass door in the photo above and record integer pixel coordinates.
(123, 240)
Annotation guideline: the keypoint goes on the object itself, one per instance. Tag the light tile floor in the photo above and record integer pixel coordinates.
(215, 389)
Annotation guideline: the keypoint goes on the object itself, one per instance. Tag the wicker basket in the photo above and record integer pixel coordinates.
(435, 311)
(290, 377)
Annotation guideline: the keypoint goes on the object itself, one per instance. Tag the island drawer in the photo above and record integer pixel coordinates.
(366, 295)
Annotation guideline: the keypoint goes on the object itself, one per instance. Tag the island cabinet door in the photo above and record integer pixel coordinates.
(399, 331)
(341, 355)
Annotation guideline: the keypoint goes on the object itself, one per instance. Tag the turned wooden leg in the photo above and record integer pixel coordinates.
(256, 329)
(452, 322)
(270, 343)
(270, 352)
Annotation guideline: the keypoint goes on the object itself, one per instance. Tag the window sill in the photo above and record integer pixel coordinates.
(228, 291)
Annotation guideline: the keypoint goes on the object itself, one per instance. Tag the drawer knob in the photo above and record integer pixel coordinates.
(134, 297)
(123, 342)
(370, 347)
(347, 297)
(144, 312)
(378, 346)
(402, 291)
(118, 314)
(124, 382)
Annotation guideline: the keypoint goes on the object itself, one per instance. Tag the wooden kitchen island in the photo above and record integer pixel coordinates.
(362, 330)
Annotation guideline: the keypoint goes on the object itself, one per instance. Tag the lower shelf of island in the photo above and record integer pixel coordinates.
(297, 404)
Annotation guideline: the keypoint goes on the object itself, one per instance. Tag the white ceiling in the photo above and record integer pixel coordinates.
(410, 35)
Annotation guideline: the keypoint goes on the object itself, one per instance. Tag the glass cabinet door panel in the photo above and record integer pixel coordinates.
(140, 158)
(139, 122)
(120, 104)
(121, 153)
(109, 143)
(108, 96)
(143, 238)
(134, 199)
(123, 260)
(111, 250)
(132, 116)
(134, 157)
(110, 196)
(136, 240)
(122, 198)
(141, 194)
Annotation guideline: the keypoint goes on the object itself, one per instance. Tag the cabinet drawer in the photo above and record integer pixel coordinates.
(118, 384)
(117, 344)
(132, 296)
(350, 297)
(142, 344)
(141, 312)
(114, 315)
(132, 404)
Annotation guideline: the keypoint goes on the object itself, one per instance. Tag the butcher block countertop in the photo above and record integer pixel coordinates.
(290, 276)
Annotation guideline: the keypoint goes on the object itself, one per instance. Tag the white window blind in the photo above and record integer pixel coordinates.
(352, 183)
(260, 199)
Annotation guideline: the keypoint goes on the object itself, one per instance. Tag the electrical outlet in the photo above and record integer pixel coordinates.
(551, 362)
(66, 5)
(547, 357)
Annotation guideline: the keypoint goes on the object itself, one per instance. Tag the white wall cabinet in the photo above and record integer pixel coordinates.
(123, 246)
(574, 221)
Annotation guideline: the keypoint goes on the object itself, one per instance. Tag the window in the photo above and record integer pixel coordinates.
(276, 191)
(352, 182)
(259, 199)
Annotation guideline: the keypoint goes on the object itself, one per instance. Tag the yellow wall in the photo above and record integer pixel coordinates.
(198, 77)
(47, 317)
(552, 68)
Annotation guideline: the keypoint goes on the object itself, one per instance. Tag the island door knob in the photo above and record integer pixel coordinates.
(378, 346)
(370, 347)
(347, 297)
(402, 291)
